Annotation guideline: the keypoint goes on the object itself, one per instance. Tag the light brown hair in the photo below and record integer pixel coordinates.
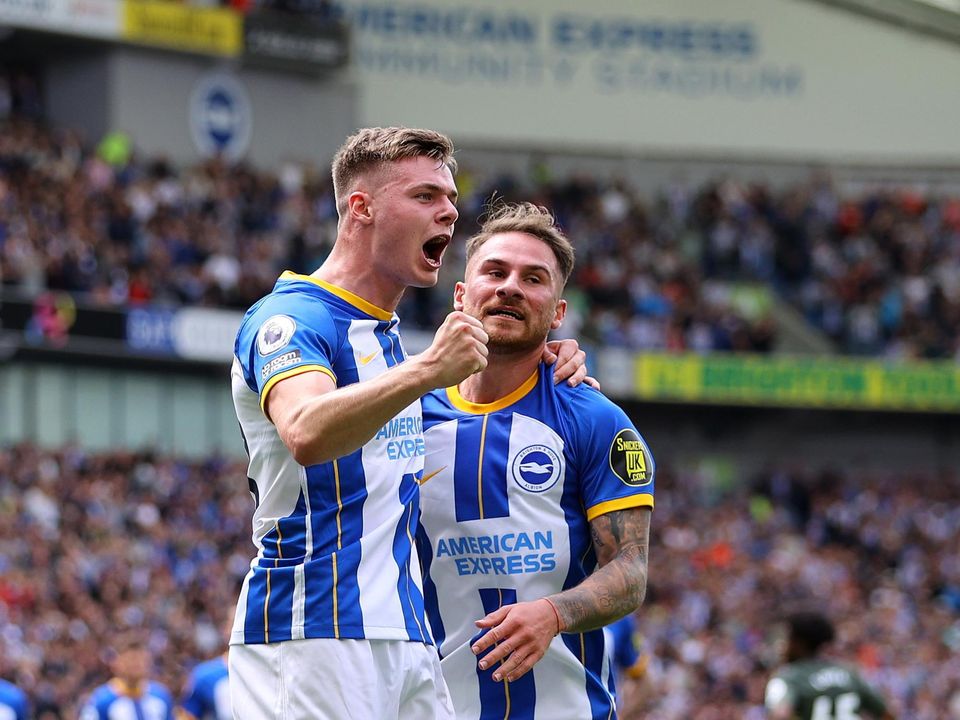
(530, 219)
(370, 148)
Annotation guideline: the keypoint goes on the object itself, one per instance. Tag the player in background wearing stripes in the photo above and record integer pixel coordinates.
(130, 694)
(536, 498)
(330, 620)
(813, 687)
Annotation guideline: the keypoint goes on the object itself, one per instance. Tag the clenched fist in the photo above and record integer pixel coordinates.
(458, 350)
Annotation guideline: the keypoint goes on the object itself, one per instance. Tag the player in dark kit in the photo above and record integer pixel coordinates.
(811, 687)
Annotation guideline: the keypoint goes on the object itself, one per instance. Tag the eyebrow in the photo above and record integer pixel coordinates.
(453, 194)
(526, 268)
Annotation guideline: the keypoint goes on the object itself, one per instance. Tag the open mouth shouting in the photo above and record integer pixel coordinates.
(433, 250)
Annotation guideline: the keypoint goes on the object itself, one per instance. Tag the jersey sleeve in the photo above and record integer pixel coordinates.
(779, 695)
(615, 464)
(286, 335)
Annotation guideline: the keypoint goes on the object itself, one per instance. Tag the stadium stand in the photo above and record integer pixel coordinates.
(96, 543)
(878, 273)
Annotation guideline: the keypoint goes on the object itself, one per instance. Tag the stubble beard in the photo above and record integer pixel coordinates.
(506, 343)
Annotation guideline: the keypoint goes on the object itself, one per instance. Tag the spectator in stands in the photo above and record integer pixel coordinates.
(878, 272)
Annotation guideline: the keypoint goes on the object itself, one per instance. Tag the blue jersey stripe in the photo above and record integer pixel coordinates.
(325, 509)
(480, 467)
(466, 465)
(254, 622)
(349, 612)
(280, 605)
(494, 479)
(410, 597)
(430, 599)
(499, 700)
(318, 580)
(348, 555)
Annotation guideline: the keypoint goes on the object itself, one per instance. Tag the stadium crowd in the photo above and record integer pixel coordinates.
(93, 545)
(689, 269)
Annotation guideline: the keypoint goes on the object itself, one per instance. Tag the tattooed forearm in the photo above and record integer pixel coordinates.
(617, 587)
(596, 537)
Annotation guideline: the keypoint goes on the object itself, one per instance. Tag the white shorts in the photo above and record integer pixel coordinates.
(328, 679)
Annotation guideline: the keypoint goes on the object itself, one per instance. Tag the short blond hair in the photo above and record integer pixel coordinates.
(530, 219)
(370, 148)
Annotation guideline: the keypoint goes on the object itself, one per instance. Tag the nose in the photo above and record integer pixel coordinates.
(448, 213)
(509, 286)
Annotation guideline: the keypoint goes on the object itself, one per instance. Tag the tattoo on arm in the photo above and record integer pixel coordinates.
(621, 541)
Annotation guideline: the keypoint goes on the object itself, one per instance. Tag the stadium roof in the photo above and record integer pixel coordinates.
(937, 18)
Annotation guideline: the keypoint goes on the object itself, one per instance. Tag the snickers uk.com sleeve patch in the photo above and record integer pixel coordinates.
(630, 460)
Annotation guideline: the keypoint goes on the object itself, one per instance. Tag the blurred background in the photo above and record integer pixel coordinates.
(765, 203)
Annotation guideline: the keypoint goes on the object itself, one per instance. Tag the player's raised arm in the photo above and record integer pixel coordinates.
(319, 422)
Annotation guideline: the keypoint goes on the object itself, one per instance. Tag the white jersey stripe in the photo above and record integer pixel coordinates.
(298, 603)
(336, 609)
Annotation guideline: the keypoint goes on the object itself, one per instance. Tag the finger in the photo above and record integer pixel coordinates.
(483, 643)
(548, 357)
(577, 376)
(492, 621)
(592, 382)
(516, 669)
(511, 661)
(469, 320)
(563, 370)
(497, 655)
(525, 666)
(568, 350)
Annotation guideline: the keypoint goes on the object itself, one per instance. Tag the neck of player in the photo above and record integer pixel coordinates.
(506, 371)
(356, 273)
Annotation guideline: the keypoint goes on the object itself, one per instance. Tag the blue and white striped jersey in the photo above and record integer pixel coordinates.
(509, 490)
(113, 701)
(335, 541)
(207, 695)
(13, 702)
